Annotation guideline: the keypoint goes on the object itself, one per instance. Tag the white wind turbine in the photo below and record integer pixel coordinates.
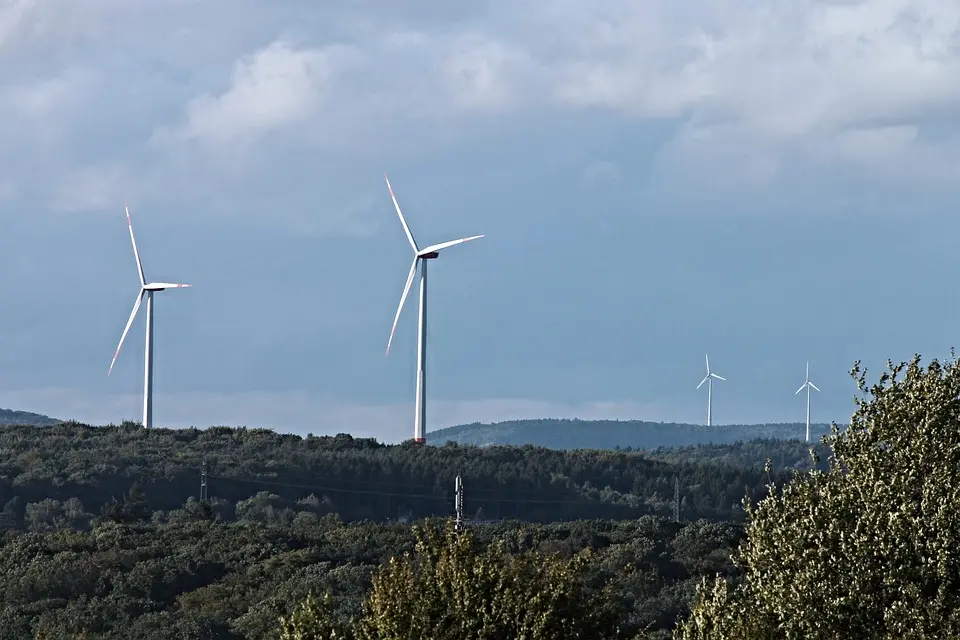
(420, 258)
(709, 380)
(147, 290)
(807, 385)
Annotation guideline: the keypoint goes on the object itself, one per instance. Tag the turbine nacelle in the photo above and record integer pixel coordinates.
(710, 374)
(161, 286)
(806, 382)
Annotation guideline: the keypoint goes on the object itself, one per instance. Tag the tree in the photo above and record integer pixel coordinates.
(449, 588)
(866, 548)
(313, 619)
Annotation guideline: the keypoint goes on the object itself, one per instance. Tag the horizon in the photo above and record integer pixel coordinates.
(654, 182)
(465, 426)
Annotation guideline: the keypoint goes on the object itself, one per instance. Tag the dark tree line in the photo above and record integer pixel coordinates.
(360, 478)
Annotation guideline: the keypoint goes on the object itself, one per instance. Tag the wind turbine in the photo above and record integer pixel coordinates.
(147, 289)
(807, 385)
(420, 258)
(709, 380)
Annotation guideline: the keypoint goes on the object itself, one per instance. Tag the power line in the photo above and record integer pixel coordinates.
(331, 489)
(507, 499)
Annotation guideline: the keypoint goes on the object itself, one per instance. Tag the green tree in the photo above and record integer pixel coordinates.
(449, 588)
(867, 548)
(313, 619)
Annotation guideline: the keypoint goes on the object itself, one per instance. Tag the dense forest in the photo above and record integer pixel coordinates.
(118, 532)
(609, 434)
(361, 479)
(193, 577)
(108, 531)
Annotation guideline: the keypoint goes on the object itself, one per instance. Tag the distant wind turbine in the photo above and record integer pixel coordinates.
(807, 385)
(147, 290)
(420, 258)
(709, 380)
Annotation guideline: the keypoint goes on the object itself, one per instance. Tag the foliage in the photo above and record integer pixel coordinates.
(448, 589)
(200, 578)
(313, 619)
(866, 548)
(125, 473)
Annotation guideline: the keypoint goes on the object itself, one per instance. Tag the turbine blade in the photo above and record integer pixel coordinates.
(713, 375)
(406, 229)
(444, 245)
(403, 298)
(702, 381)
(159, 286)
(708, 364)
(136, 254)
(815, 387)
(804, 386)
(133, 314)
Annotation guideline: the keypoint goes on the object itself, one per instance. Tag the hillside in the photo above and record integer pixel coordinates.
(105, 535)
(613, 434)
(186, 577)
(363, 479)
(9, 416)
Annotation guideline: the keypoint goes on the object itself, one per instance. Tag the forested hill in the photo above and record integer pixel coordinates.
(611, 434)
(9, 416)
(357, 478)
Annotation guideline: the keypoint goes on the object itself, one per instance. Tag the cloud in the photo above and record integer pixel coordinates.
(485, 74)
(275, 87)
(756, 93)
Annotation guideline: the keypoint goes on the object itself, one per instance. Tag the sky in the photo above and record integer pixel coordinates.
(768, 181)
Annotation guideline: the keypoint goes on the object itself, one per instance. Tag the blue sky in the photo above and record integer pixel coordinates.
(770, 181)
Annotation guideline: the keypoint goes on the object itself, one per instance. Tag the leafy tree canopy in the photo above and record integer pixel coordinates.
(867, 548)
(449, 589)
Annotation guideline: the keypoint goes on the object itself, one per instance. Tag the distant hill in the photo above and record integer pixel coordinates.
(611, 434)
(9, 416)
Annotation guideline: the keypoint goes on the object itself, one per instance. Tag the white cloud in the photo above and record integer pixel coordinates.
(750, 86)
(277, 86)
(485, 74)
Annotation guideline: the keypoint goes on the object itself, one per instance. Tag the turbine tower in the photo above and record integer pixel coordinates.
(807, 385)
(709, 380)
(147, 289)
(420, 258)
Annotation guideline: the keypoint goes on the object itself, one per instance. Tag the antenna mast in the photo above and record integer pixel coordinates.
(204, 497)
(458, 505)
(676, 498)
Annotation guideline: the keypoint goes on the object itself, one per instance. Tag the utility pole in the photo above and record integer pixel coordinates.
(676, 498)
(458, 505)
(204, 496)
